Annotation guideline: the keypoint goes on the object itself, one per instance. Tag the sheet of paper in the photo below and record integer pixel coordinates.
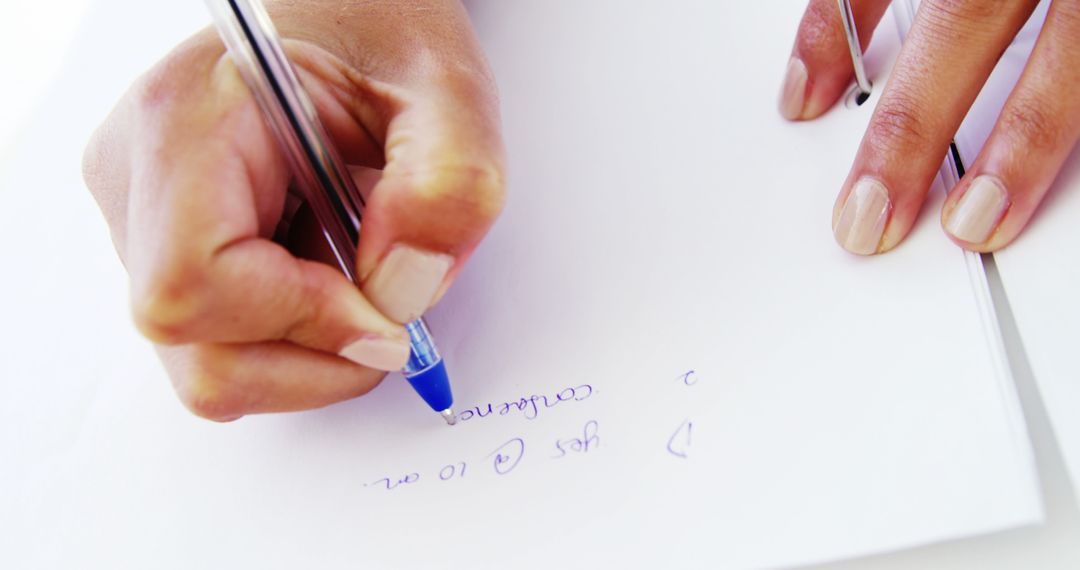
(1039, 270)
(661, 357)
(1042, 278)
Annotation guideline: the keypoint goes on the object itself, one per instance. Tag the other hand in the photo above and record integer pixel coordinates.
(948, 55)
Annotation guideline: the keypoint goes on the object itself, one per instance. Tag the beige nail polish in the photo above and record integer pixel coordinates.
(793, 94)
(378, 352)
(980, 209)
(862, 221)
(405, 282)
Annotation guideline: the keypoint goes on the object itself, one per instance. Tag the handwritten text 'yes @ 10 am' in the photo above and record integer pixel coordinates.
(501, 461)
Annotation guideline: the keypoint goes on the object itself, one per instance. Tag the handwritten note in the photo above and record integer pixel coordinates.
(506, 457)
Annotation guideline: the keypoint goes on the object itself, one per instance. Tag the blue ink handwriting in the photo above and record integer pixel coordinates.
(390, 484)
(528, 406)
(449, 471)
(688, 378)
(588, 440)
(506, 462)
(679, 442)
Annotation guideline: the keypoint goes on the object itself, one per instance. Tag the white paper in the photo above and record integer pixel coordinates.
(1040, 270)
(1042, 278)
(663, 219)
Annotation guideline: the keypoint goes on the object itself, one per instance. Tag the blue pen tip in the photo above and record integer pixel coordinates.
(433, 385)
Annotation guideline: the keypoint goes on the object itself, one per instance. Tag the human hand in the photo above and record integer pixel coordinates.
(949, 53)
(193, 186)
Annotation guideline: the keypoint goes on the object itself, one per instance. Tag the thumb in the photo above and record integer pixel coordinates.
(441, 190)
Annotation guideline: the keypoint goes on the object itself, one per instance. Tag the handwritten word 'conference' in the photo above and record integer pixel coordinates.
(529, 407)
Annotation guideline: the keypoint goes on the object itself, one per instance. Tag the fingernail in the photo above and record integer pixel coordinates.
(862, 221)
(793, 94)
(378, 352)
(974, 218)
(440, 293)
(405, 282)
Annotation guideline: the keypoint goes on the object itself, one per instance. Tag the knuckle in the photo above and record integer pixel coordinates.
(898, 126)
(159, 88)
(168, 305)
(1028, 123)
(105, 174)
(474, 192)
(470, 76)
(182, 89)
(205, 388)
(93, 160)
(955, 15)
(154, 88)
(173, 75)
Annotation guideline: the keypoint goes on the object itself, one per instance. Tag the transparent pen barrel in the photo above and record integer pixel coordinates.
(424, 355)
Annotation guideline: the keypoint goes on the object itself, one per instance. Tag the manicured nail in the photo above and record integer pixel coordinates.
(793, 94)
(440, 294)
(977, 214)
(862, 221)
(378, 352)
(405, 282)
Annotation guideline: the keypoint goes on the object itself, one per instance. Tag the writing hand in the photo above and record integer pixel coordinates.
(193, 187)
(951, 50)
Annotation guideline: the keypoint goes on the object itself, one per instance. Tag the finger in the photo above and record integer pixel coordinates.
(441, 191)
(225, 381)
(820, 67)
(1036, 131)
(207, 188)
(947, 57)
(443, 184)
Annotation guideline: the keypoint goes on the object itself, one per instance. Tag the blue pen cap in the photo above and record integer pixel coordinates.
(425, 369)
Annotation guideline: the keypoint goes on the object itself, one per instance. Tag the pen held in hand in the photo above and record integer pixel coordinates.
(318, 170)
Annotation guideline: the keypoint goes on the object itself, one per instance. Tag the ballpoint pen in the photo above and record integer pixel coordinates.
(847, 17)
(318, 171)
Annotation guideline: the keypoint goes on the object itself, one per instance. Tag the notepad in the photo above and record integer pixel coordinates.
(661, 357)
